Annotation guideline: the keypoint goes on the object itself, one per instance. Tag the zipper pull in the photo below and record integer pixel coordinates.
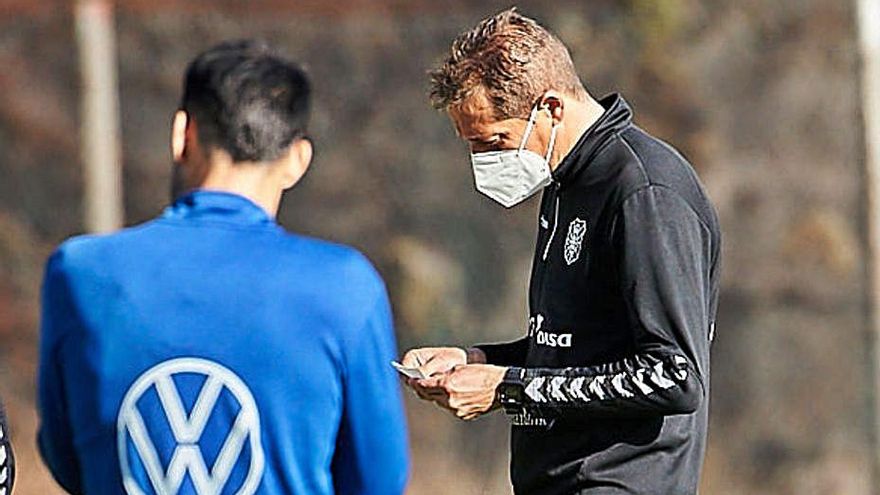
(555, 222)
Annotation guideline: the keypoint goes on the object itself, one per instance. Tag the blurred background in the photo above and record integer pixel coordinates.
(763, 96)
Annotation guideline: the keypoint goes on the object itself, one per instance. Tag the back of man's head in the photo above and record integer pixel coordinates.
(246, 100)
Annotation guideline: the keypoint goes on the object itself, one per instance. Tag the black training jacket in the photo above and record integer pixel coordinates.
(614, 370)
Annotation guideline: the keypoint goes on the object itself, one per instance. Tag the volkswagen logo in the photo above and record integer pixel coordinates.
(144, 444)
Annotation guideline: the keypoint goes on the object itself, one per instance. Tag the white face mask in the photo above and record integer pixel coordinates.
(511, 176)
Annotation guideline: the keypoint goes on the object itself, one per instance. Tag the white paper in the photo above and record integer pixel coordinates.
(408, 372)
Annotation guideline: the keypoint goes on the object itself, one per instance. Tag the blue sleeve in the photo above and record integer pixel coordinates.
(55, 436)
(371, 448)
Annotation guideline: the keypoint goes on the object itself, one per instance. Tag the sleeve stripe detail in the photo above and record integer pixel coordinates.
(572, 389)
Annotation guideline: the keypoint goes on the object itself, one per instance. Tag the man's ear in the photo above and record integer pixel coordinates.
(179, 142)
(297, 161)
(554, 102)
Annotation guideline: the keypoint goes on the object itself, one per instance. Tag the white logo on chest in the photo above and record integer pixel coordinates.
(543, 337)
(142, 441)
(577, 230)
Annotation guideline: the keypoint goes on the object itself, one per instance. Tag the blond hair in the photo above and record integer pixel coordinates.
(511, 59)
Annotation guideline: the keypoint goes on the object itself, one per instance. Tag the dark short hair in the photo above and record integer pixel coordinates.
(509, 58)
(247, 100)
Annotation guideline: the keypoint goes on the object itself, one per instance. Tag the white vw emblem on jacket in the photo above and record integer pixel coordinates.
(577, 230)
(187, 430)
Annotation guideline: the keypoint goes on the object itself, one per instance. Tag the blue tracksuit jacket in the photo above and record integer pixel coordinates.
(211, 352)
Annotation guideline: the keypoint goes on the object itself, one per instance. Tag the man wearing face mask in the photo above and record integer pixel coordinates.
(607, 393)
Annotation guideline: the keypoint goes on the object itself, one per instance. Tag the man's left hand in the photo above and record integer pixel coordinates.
(470, 389)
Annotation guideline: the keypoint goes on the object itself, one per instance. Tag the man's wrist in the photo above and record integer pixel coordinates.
(510, 393)
(475, 355)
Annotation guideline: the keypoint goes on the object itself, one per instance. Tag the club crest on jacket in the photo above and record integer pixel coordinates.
(577, 230)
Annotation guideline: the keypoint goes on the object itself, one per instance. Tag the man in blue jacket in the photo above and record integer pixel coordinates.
(209, 351)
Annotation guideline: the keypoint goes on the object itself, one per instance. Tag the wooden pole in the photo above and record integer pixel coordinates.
(868, 14)
(100, 135)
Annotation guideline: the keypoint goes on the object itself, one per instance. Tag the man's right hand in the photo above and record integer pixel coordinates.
(431, 360)
(434, 360)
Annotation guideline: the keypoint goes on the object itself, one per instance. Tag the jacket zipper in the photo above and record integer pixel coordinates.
(541, 266)
(555, 222)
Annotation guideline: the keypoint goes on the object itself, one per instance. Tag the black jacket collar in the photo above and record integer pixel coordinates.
(617, 117)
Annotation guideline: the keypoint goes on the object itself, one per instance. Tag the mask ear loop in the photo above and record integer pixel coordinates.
(553, 129)
(531, 125)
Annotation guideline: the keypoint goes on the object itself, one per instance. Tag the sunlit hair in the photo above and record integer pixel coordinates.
(511, 59)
